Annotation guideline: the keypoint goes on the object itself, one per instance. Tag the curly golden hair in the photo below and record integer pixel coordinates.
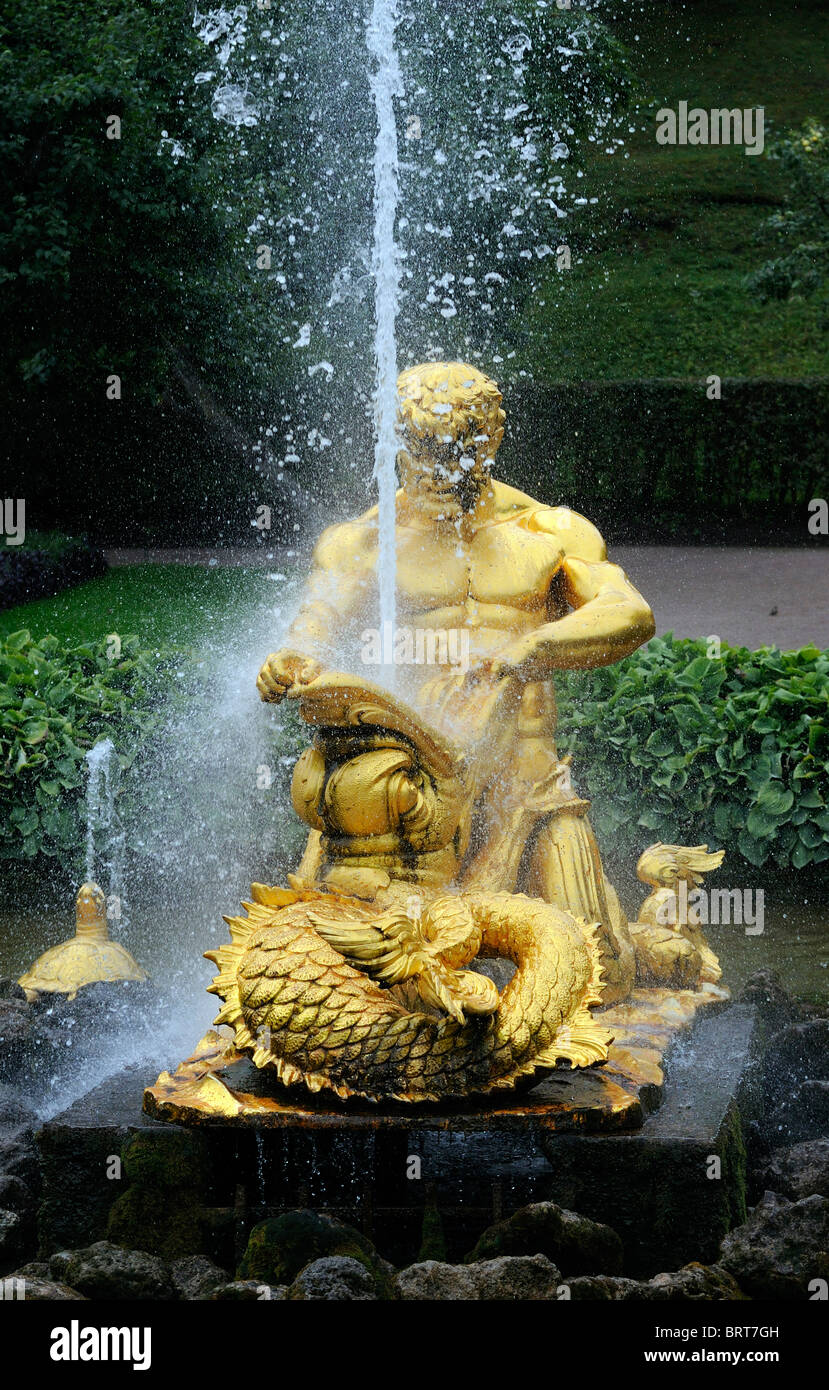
(453, 405)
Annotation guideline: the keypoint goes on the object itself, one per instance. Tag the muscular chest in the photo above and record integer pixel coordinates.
(499, 565)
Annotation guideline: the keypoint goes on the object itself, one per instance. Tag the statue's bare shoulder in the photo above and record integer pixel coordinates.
(348, 544)
(577, 536)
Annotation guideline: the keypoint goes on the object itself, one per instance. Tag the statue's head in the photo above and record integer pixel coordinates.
(451, 423)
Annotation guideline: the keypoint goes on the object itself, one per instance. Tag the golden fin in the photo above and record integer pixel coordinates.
(386, 948)
(582, 1042)
(274, 897)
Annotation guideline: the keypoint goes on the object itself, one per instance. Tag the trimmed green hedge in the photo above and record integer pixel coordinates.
(675, 745)
(652, 461)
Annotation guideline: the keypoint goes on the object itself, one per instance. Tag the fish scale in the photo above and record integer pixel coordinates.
(343, 1030)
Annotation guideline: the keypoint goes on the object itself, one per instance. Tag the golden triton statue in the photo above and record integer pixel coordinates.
(444, 826)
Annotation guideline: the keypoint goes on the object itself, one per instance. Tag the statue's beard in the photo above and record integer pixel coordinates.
(443, 486)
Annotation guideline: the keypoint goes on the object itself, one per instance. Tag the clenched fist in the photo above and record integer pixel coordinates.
(282, 670)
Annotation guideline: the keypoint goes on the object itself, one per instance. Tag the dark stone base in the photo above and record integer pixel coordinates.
(400, 1176)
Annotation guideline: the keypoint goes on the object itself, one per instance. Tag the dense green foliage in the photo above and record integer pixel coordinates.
(677, 745)
(56, 701)
(119, 257)
(800, 230)
(658, 282)
(245, 383)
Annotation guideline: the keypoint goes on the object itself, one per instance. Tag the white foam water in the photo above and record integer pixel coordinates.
(104, 832)
(386, 84)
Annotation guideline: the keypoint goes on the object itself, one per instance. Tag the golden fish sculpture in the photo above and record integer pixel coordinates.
(305, 983)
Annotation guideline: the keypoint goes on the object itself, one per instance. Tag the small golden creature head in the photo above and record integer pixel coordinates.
(664, 866)
(451, 423)
(90, 906)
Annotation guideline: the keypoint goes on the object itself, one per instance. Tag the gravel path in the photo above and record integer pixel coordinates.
(747, 597)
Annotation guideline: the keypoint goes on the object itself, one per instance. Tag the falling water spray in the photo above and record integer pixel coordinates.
(386, 84)
(104, 833)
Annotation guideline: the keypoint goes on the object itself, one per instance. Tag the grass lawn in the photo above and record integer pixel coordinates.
(161, 604)
(664, 252)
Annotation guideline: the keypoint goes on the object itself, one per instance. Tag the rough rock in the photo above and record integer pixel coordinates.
(777, 1010)
(19, 1159)
(38, 1030)
(107, 1271)
(249, 1291)
(197, 1277)
(14, 1194)
(795, 1054)
(35, 1269)
(799, 1171)
(15, 1033)
(708, 1283)
(574, 1243)
(781, 1248)
(803, 1115)
(334, 1277)
(45, 1291)
(278, 1249)
(11, 1234)
(521, 1278)
(18, 1154)
(15, 1114)
(10, 989)
(603, 1288)
(694, 1282)
(57, 1264)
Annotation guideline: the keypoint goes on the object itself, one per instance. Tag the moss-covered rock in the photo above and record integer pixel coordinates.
(573, 1242)
(171, 1160)
(164, 1223)
(433, 1238)
(278, 1249)
(160, 1211)
(106, 1271)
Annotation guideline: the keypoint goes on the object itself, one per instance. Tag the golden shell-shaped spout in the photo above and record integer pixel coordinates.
(89, 956)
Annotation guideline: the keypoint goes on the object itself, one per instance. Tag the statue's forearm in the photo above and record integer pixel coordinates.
(330, 600)
(610, 619)
(313, 628)
(601, 632)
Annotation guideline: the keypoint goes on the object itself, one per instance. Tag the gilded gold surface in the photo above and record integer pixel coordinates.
(444, 827)
(89, 956)
(671, 948)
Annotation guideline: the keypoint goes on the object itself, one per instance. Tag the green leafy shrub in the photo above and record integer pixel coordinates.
(800, 230)
(670, 744)
(55, 703)
(674, 745)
